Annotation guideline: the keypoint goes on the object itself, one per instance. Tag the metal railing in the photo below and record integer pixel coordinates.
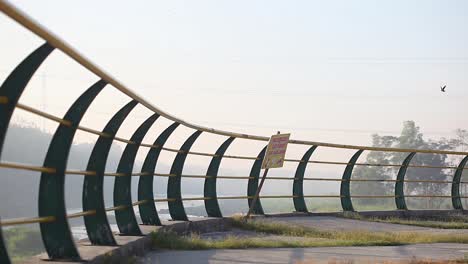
(53, 218)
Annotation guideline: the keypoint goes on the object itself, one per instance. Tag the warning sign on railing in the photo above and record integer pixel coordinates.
(276, 151)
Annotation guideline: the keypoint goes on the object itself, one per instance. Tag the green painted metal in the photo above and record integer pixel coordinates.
(252, 185)
(456, 200)
(4, 258)
(12, 88)
(16, 82)
(97, 226)
(126, 220)
(345, 194)
(298, 185)
(209, 189)
(58, 240)
(400, 181)
(176, 207)
(148, 212)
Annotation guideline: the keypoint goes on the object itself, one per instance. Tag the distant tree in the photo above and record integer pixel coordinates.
(410, 138)
(375, 172)
(462, 138)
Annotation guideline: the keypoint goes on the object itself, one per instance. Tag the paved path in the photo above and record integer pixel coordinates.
(310, 255)
(322, 254)
(339, 223)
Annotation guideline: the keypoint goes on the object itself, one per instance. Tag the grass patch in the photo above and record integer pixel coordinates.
(22, 242)
(393, 238)
(424, 223)
(173, 241)
(310, 238)
(445, 224)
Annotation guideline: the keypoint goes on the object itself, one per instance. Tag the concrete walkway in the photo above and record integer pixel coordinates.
(438, 251)
(345, 224)
(311, 255)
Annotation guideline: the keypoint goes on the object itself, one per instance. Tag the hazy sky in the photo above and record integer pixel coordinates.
(334, 71)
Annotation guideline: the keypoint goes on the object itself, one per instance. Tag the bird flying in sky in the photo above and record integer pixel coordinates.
(442, 88)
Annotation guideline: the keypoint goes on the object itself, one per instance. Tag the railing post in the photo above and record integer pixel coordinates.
(400, 181)
(148, 212)
(345, 194)
(456, 200)
(298, 185)
(126, 220)
(4, 258)
(252, 185)
(57, 237)
(11, 91)
(97, 226)
(176, 206)
(209, 188)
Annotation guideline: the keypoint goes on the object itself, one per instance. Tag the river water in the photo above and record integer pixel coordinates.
(79, 231)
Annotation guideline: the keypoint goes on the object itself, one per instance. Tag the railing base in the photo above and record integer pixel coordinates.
(390, 213)
(129, 246)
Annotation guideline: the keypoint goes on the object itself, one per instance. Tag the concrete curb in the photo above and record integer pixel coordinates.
(129, 246)
(392, 213)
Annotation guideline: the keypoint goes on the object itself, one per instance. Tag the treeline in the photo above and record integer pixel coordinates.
(411, 137)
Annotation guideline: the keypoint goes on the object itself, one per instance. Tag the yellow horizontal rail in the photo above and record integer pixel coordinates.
(281, 178)
(235, 177)
(164, 175)
(116, 174)
(165, 200)
(3, 100)
(49, 219)
(322, 196)
(20, 166)
(197, 199)
(93, 131)
(77, 172)
(149, 145)
(196, 176)
(124, 140)
(12, 165)
(43, 114)
(374, 196)
(25, 221)
(116, 208)
(141, 202)
(239, 157)
(234, 197)
(80, 214)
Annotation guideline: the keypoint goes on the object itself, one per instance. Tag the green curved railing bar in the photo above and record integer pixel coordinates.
(126, 220)
(252, 185)
(209, 188)
(16, 82)
(57, 237)
(456, 200)
(400, 181)
(148, 212)
(345, 194)
(4, 258)
(97, 226)
(298, 185)
(176, 207)
(12, 88)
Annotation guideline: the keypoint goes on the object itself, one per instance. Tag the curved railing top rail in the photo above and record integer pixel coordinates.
(29, 23)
